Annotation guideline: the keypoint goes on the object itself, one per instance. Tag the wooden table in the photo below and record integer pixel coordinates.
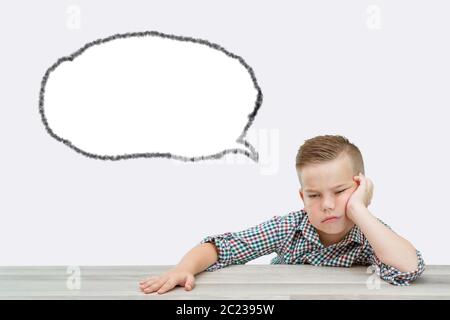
(234, 282)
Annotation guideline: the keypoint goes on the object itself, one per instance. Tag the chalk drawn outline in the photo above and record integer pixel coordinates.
(252, 155)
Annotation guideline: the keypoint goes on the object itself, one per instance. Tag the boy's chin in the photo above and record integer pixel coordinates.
(335, 227)
(333, 230)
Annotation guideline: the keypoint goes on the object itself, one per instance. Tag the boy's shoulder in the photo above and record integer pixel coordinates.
(295, 218)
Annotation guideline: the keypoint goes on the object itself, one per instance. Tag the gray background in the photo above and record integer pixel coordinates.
(324, 68)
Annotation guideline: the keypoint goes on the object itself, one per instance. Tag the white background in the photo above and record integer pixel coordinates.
(324, 67)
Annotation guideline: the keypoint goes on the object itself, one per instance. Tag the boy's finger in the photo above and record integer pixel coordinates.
(147, 283)
(166, 287)
(189, 286)
(147, 279)
(158, 284)
(362, 178)
(142, 282)
(189, 282)
(153, 287)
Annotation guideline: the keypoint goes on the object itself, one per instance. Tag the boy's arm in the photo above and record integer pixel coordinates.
(228, 248)
(195, 261)
(389, 247)
(394, 258)
(198, 258)
(394, 275)
(243, 246)
(397, 259)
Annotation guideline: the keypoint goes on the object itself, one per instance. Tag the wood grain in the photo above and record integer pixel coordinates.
(233, 282)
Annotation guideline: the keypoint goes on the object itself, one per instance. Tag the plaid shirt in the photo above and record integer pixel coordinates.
(296, 241)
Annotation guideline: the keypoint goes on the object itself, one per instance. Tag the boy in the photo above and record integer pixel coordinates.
(335, 228)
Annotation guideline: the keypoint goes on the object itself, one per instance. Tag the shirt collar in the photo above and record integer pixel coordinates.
(308, 230)
(310, 233)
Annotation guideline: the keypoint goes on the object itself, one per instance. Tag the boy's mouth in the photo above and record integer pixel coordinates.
(331, 219)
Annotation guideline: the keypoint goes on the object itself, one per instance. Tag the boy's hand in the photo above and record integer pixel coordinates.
(362, 195)
(168, 281)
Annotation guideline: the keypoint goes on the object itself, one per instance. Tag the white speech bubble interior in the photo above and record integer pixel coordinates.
(147, 94)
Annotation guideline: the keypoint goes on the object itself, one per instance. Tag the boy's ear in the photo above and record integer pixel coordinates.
(301, 193)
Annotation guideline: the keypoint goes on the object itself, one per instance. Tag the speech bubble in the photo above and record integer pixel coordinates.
(149, 94)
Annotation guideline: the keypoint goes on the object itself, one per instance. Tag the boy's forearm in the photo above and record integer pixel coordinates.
(389, 247)
(198, 258)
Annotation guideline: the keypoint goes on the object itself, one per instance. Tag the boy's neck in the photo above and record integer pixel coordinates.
(328, 239)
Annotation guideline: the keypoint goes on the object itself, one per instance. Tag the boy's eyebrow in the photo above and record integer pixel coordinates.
(338, 186)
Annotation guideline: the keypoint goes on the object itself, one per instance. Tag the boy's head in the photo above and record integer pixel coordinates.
(326, 166)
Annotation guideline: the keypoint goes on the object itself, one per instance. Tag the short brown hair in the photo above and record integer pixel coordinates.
(326, 148)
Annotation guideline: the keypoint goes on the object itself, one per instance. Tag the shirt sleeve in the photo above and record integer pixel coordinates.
(395, 276)
(243, 246)
(391, 274)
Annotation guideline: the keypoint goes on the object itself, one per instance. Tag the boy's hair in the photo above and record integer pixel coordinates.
(326, 148)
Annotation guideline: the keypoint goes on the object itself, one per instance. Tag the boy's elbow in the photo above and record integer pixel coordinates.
(407, 264)
(408, 269)
(410, 266)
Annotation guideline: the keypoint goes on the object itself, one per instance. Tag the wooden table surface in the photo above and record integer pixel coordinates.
(233, 282)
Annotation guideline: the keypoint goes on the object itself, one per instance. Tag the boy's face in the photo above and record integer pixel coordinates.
(326, 188)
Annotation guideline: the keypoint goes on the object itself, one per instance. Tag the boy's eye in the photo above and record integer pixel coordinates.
(315, 195)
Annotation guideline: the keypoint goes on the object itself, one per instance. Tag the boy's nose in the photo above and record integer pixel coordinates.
(328, 204)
